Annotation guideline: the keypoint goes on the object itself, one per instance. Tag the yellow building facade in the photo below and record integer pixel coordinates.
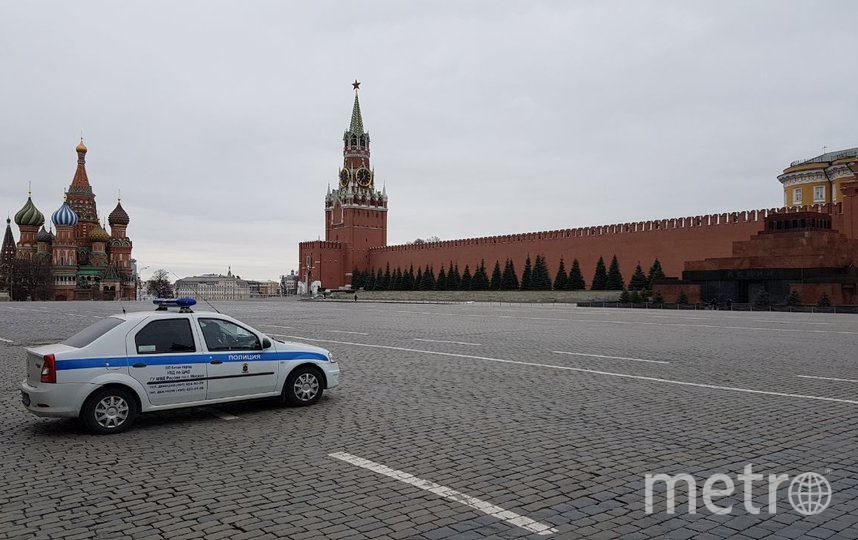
(817, 180)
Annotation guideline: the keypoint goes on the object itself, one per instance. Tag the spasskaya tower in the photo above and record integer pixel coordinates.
(355, 214)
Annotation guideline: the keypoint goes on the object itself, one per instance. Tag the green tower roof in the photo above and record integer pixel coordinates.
(356, 125)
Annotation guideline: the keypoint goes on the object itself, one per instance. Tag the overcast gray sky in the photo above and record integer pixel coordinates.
(221, 122)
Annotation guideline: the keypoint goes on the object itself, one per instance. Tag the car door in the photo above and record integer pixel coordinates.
(237, 364)
(163, 355)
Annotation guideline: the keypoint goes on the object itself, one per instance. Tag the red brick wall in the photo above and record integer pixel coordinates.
(672, 241)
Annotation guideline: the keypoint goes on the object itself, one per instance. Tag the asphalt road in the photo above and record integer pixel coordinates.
(459, 421)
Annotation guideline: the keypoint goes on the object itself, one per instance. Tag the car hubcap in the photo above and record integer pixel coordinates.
(306, 386)
(111, 412)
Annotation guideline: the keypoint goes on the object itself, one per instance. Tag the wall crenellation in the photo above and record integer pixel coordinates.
(709, 220)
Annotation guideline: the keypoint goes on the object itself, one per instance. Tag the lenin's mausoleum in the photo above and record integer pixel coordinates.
(810, 245)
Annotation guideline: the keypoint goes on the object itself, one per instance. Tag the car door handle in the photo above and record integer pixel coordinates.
(138, 364)
(216, 362)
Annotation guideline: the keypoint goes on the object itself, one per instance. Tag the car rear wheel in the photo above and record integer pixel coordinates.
(304, 386)
(109, 410)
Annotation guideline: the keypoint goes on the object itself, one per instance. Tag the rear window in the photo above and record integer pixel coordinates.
(91, 333)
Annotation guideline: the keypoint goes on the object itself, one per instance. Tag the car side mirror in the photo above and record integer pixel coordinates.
(266, 343)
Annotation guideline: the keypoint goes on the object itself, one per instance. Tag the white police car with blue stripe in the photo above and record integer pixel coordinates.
(138, 362)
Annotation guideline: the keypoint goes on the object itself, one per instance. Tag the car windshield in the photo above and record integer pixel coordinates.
(91, 333)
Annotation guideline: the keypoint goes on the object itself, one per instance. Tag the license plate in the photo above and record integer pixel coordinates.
(25, 399)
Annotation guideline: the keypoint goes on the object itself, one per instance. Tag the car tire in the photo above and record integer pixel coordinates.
(304, 386)
(109, 410)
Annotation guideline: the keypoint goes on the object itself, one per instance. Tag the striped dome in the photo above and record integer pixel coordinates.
(45, 236)
(29, 215)
(64, 216)
(97, 234)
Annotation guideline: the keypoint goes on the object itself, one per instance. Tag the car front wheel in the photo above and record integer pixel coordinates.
(109, 410)
(304, 386)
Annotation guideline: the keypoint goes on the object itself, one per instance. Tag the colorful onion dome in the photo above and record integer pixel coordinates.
(97, 234)
(118, 216)
(44, 236)
(29, 215)
(81, 147)
(64, 216)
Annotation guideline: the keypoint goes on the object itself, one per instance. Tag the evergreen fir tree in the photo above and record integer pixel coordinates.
(824, 301)
(379, 281)
(385, 281)
(600, 277)
(655, 272)
(369, 281)
(576, 279)
(624, 297)
(515, 282)
(497, 277)
(428, 281)
(396, 280)
(408, 279)
(561, 279)
(541, 278)
(639, 281)
(418, 280)
(794, 298)
(357, 282)
(615, 278)
(683, 298)
(481, 279)
(466, 279)
(441, 282)
(507, 276)
(527, 275)
(657, 298)
(454, 280)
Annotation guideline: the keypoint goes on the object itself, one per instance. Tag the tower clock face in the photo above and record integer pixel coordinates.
(344, 178)
(363, 177)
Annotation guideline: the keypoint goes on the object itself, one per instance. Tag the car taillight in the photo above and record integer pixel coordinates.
(49, 369)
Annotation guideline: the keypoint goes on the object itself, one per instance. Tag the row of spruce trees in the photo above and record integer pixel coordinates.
(535, 277)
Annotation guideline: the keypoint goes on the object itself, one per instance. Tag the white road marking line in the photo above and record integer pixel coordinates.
(827, 378)
(348, 332)
(223, 415)
(613, 357)
(442, 341)
(448, 493)
(4, 340)
(593, 371)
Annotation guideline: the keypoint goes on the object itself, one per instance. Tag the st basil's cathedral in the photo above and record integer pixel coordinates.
(85, 261)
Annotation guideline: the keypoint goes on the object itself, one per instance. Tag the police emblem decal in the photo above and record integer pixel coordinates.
(244, 368)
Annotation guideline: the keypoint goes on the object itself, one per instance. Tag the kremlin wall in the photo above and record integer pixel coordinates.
(687, 247)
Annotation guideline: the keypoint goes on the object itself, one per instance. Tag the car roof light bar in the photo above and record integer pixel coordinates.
(184, 304)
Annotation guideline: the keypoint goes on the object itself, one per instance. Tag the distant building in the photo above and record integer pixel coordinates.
(213, 287)
(818, 180)
(263, 289)
(289, 283)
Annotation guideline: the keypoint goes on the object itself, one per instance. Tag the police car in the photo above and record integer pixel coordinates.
(138, 362)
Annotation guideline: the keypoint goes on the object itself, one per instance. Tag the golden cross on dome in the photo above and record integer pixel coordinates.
(356, 84)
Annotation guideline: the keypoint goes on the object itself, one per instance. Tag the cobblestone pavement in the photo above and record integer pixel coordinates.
(485, 400)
